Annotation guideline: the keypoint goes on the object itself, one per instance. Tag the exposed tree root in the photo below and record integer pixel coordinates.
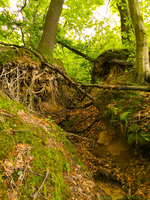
(56, 69)
(27, 85)
(32, 85)
(115, 87)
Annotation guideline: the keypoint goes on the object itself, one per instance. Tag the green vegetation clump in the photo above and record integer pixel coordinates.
(127, 108)
(15, 54)
(49, 152)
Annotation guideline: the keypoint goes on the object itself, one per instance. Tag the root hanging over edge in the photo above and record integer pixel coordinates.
(34, 85)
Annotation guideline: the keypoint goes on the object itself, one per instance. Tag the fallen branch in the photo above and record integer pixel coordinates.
(122, 62)
(6, 115)
(36, 193)
(37, 174)
(84, 138)
(43, 196)
(88, 104)
(114, 87)
(20, 130)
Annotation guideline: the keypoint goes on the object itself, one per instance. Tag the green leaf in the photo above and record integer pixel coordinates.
(19, 173)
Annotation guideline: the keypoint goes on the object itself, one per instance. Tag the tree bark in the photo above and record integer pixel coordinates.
(122, 62)
(46, 45)
(115, 87)
(124, 18)
(142, 51)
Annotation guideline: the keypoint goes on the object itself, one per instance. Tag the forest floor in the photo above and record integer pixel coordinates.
(106, 154)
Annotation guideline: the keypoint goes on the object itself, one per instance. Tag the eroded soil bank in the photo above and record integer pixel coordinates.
(106, 153)
(37, 161)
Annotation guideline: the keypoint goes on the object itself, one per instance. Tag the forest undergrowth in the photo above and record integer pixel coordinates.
(112, 137)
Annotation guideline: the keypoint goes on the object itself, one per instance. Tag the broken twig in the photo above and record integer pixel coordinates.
(37, 192)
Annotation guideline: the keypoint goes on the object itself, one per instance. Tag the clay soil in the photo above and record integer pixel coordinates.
(106, 154)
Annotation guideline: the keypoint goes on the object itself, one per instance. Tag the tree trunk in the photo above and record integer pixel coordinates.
(142, 51)
(46, 45)
(124, 18)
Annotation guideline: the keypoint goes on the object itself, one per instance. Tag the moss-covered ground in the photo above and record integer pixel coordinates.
(49, 150)
(37, 161)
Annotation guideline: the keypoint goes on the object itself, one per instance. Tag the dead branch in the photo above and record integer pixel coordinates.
(122, 62)
(37, 174)
(6, 115)
(25, 3)
(20, 130)
(115, 87)
(36, 193)
(85, 106)
(76, 51)
(88, 104)
(43, 196)
(84, 138)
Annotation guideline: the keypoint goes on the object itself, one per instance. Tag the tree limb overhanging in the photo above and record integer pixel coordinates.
(76, 51)
(25, 3)
(120, 62)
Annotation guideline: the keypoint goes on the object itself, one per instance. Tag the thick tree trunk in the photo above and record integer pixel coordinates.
(47, 42)
(124, 18)
(142, 51)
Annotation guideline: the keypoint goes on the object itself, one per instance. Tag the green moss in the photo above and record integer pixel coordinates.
(120, 54)
(44, 157)
(7, 55)
(136, 138)
(133, 128)
(12, 54)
